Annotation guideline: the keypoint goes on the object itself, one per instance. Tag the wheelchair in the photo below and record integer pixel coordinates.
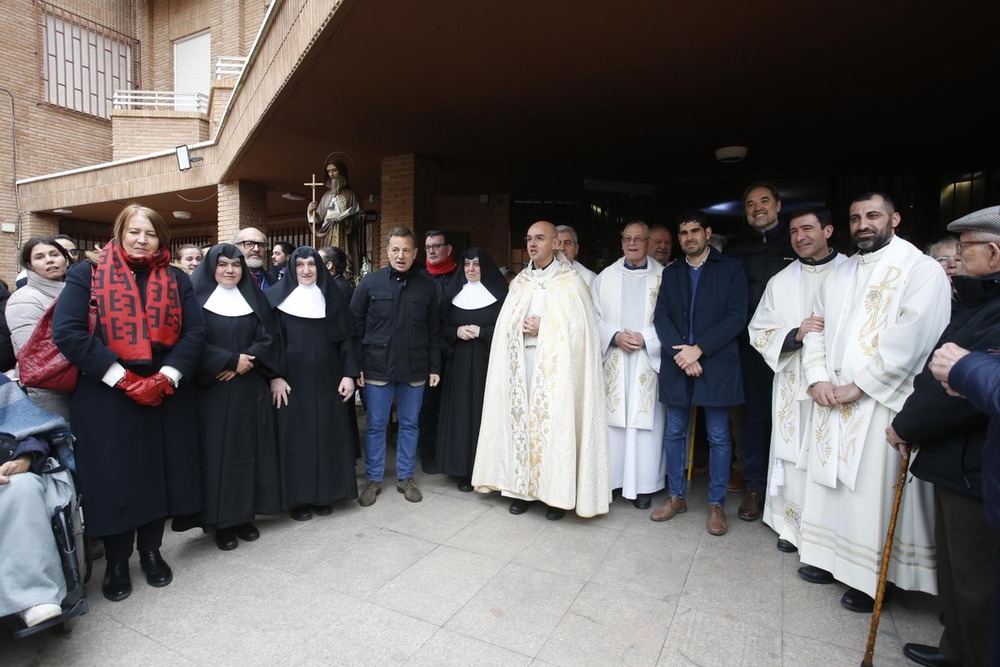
(67, 523)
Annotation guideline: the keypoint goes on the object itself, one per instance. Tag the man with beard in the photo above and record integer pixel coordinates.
(543, 434)
(765, 250)
(253, 244)
(279, 259)
(883, 309)
(661, 243)
(338, 205)
(700, 312)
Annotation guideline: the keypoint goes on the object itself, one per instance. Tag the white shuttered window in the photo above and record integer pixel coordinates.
(193, 67)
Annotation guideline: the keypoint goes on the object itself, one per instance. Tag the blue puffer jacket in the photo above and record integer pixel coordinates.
(977, 377)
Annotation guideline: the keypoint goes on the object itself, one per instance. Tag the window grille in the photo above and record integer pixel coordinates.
(83, 63)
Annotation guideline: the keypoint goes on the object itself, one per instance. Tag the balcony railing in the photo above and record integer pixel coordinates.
(229, 67)
(170, 100)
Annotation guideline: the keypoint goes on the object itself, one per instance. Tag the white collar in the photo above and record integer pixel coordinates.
(473, 296)
(228, 302)
(305, 301)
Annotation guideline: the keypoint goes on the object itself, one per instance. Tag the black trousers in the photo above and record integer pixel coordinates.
(147, 537)
(755, 428)
(967, 576)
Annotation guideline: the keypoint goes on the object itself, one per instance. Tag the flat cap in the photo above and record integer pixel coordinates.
(983, 220)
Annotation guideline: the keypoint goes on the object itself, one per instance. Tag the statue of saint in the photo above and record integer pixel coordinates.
(335, 214)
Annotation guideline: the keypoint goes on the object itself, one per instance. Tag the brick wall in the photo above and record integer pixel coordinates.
(145, 131)
(48, 138)
(487, 224)
(408, 199)
(241, 204)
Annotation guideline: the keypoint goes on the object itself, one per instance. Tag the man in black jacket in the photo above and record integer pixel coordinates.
(396, 311)
(439, 267)
(764, 249)
(950, 434)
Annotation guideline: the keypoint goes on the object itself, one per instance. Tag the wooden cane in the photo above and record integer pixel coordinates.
(691, 431)
(883, 572)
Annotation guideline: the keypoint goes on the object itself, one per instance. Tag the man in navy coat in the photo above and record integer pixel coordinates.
(700, 312)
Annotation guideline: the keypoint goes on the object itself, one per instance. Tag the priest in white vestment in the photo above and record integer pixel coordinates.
(883, 310)
(544, 434)
(569, 245)
(624, 300)
(782, 319)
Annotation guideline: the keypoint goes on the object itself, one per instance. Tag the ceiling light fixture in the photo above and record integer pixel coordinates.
(292, 196)
(62, 211)
(730, 154)
(182, 215)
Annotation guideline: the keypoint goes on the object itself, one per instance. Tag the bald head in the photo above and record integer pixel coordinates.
(254, 254)
(541, 241)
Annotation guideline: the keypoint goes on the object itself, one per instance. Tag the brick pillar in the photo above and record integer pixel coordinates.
(241, 204)
(407, 199)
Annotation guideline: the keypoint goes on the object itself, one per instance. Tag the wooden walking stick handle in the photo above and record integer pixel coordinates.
(883, 572)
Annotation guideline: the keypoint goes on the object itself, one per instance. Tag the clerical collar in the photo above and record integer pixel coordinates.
(535, 266)
(227, 302)
(306, 301)
(821, 261)
(644, 265)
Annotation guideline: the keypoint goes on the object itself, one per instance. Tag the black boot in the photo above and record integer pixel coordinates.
(157, 571)
(117, 583)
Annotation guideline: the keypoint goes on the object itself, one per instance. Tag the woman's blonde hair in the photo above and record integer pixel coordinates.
(159, 226)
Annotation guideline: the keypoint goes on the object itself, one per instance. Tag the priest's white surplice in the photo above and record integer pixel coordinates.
(883, 313)
(788, 299)
(625, 299)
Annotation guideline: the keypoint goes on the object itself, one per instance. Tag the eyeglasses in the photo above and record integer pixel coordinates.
(634, 239)
(434, 246)
(946, 260)
(961, 246)
(74, 252)
(248, 245)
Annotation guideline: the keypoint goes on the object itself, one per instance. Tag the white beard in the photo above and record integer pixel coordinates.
(254, 263)
(337, 184)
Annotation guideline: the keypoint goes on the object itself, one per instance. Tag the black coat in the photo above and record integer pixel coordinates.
(719, 319)
(398, 319)
(763, 255)
(977, 377)
(950, 430)
(135, 463)
(7, 356)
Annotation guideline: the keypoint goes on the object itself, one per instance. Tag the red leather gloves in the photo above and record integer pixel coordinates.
(146, 390)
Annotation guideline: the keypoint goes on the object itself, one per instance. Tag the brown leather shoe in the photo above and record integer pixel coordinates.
(716, 520)
(666, 511)
(752, 506)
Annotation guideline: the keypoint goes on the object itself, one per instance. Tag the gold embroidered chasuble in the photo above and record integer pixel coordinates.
(544, 433)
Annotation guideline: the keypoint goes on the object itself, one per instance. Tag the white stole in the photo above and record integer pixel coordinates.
(642, 383)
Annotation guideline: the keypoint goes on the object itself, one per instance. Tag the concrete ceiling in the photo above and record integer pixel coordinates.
(525, 97)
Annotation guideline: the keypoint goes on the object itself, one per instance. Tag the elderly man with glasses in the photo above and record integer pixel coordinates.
(253, 244)
(624, 297)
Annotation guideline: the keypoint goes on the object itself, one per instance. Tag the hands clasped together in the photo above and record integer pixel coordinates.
(148, 391)
(687, 359)
(630, 341)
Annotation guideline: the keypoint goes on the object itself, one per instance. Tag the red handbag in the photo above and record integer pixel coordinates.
(41, 365)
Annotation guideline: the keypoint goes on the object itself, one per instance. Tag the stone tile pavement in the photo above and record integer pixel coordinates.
(457, 580)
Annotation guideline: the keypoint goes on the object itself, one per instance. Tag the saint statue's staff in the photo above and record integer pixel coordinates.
(313, 184)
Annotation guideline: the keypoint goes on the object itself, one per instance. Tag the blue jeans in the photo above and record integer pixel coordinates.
(378, 403)
(719, 454)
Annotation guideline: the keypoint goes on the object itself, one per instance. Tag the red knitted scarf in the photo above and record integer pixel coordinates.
(445, 267)
(130, 329)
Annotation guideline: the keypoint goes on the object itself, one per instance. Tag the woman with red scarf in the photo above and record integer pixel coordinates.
(137, 454)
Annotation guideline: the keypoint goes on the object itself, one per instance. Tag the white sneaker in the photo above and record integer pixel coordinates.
(40, 613)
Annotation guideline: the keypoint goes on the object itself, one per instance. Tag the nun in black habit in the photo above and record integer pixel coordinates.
(315, 446)
(474, 297)
(239, 438)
